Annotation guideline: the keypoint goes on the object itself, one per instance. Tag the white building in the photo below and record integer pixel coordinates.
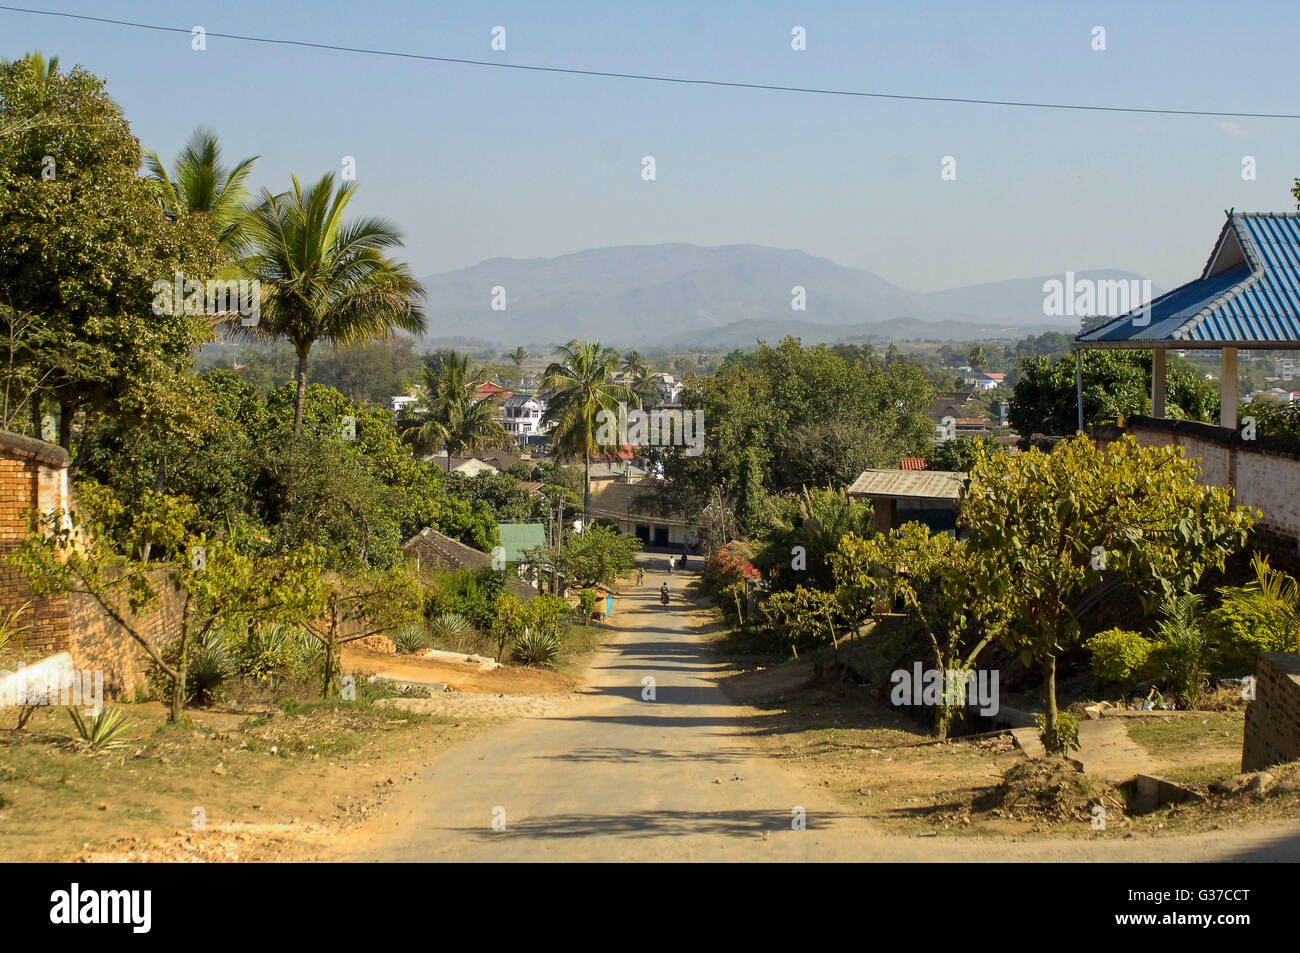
(521, 415)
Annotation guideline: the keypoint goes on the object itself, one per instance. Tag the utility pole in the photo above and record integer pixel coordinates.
(559, 536)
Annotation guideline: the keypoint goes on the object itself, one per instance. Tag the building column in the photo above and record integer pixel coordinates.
(1228, 389)
(1158, 382)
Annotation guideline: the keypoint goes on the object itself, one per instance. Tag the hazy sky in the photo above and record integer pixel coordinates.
(473, 162)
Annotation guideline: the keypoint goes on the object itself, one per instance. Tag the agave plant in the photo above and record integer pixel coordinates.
(411, 638)
(450, 628)
(103, 731)
(537, 647)
(9, 627)
(209, 669)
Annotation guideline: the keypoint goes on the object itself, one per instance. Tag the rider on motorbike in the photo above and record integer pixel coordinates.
(663, 593)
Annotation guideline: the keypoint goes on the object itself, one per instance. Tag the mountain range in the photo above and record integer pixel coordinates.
(684, 296)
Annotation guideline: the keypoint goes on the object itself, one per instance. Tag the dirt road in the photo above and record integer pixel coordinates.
(617, 776)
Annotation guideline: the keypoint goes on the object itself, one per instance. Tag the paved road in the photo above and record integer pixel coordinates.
(617, 777)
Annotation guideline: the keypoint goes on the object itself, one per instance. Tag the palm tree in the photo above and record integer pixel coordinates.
(634, 363)
(519, 355)
(580, 381)
(323, 279)
(200, 184)
(645, 386)
(453, 417)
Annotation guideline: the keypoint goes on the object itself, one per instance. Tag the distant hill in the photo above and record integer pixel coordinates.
(725, 296)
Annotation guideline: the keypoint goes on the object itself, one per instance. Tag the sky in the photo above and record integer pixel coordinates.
(474, 162)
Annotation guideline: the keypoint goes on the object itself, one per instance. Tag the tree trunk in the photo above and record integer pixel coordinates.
(1049, 693)
(67, 409)
(36, 416)
(302, 392)
(586, 486)
(182, 668)
(330, 680)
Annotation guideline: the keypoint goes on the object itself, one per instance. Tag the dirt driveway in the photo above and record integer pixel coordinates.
(613, 775)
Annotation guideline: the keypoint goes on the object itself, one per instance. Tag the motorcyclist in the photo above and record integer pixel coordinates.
(663, 593)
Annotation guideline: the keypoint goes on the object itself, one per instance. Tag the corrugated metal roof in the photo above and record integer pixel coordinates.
(1253, 304)
(909, 484)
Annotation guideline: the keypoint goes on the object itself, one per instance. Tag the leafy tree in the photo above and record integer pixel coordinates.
(454, 417)
(125, 562)
(325, 279)
(935, 578)
(83, 239)
(581, 389)
(1047, 528)
(806, 617)
(357, 605)
(805, 531)
(958, 454)
(1115, 384)
(203, 449)
(372, 372)
(596, 557)
(808, 417)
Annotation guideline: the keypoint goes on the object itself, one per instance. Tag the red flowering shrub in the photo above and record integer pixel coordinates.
(728, 565)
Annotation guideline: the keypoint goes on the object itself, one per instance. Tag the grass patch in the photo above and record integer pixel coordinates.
(1186, 734)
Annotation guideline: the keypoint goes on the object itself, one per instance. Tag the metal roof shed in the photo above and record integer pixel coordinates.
(1248, 296)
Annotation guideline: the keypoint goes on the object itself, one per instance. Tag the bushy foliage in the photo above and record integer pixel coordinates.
(1119, 655)
(1115, 384)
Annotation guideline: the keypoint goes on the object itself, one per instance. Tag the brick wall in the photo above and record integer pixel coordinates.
(99, 642)
(1273, 718)
(33, 476)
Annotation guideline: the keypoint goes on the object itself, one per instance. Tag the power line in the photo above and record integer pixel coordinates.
(651, 78)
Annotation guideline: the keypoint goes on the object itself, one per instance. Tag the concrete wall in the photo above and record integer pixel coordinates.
(1265, 472)
(1273, 718)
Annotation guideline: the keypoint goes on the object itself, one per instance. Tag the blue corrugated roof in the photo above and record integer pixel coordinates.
(1247, 295)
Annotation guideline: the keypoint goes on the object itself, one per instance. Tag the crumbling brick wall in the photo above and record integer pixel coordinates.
(1273, 718)
(100, 643)
(33, 476)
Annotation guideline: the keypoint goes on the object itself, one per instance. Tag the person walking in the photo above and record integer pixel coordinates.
(672, 562)
(640, 577)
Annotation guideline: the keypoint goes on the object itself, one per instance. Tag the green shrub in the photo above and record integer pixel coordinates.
(537, 647)
(587, 600)
(1120, 656)
(273, 653)
(1183, 651)
(1242, 631)
(1066, 737)
(549, 613)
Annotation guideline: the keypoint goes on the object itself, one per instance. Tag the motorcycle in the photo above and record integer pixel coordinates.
(663, 598)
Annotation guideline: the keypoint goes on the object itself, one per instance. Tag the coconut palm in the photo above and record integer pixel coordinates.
(453, 417)
(200, 184)
(519, 355)
(581, 386)
(324, 279)
(634, 363)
